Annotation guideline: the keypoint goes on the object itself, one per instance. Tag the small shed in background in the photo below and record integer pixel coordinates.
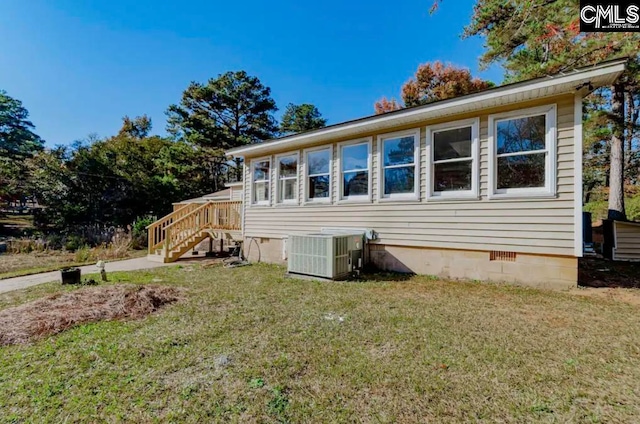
(621, 240)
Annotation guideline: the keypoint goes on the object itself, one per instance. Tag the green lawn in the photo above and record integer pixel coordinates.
(248, 345)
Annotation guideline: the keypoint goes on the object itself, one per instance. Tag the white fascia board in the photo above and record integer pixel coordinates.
(554, 85)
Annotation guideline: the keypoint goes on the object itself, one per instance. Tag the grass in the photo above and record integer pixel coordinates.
(247, 345)
(19, 264)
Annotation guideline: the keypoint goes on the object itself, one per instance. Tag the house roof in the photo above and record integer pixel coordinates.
(218, 195)
(580, 80)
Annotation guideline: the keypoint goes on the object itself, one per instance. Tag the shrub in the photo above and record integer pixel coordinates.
(74, 242)
(633, 208)
(120, 245)
(83, 254)
(27, 245)
(139, 231)
(600, 209)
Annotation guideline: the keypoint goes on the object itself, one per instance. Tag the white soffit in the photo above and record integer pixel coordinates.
(568, 82)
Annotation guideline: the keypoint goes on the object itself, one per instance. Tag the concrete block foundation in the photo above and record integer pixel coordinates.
(549, 272)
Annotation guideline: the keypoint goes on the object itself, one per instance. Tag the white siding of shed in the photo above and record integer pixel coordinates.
(627, 241)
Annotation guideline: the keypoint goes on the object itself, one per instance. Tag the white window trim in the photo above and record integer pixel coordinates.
(359, 198)
(294, 201)
(415, 196)
(268, 180)
(551, 164)
(307, 200)
(474, 193)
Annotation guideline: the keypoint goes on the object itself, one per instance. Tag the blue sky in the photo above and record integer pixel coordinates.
(79, 66)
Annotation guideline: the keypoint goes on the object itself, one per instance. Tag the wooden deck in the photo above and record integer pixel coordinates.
(175, 234)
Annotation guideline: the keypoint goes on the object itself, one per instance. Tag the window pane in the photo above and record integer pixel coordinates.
(288, 189)
(261, 192)
(289, 166)
(521, 135)
(356, 183)
(521, 171)
(399, 180)
(261, 170)
(319, 187)
(319, 162)
(452, 144)
(398, 151)
(452, 176)
(355, 157)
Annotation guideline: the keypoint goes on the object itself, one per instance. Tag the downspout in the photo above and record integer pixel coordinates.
(577, 182)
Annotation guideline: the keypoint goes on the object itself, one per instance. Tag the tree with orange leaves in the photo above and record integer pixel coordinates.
(385, 105)
(432, 82)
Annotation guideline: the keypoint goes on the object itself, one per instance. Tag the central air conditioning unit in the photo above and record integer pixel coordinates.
(332, 256)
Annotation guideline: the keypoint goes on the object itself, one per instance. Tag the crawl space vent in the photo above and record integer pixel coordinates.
(497, 255)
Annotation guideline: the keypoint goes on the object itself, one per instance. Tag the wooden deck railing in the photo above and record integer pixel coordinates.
(179, 226)
(156, 230)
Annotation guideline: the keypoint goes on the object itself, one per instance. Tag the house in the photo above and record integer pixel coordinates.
(486, 186)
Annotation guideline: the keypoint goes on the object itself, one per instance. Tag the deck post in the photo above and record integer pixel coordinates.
(150, 232)
(166, 242)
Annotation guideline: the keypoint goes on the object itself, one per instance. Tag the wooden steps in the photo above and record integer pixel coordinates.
(180, 231)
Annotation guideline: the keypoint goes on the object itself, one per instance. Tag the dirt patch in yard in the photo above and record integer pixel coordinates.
(605, 279)
(59, 312)
(597, 272)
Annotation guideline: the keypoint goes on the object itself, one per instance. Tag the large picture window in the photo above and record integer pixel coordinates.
(399, 153)
(453, 154)
(523, 158)
(355, 170)
(287, 177)
(261, 177)
(318, 174)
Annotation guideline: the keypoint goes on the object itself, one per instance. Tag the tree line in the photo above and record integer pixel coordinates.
(115, 180)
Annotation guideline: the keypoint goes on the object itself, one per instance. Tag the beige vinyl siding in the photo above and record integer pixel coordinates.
(544, 226)
(236, 193)
(627, 241)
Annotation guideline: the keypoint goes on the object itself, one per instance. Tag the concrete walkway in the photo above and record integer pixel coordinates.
(32, 280)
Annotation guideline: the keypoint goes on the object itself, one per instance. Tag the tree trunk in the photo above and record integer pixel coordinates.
(238, 170)
(631, 116)
(632, 113)
(588, 192)
(629, 128)
(616, 170)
